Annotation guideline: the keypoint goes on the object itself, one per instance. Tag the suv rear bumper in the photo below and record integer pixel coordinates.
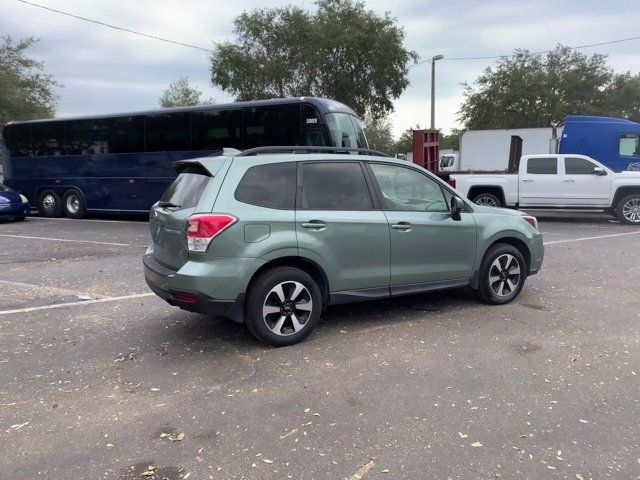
(160, 280)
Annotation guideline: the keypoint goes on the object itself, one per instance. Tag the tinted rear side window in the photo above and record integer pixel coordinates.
(335, 186)
(187, 189)
(542, 166)
(271, 186)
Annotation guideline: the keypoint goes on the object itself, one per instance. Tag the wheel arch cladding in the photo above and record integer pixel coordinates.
(509, 240)
(304, 264)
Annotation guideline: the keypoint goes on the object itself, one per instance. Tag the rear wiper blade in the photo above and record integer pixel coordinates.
(168, 205)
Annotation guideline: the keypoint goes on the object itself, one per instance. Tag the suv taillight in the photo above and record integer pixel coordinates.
(203, 227)
(452, 182)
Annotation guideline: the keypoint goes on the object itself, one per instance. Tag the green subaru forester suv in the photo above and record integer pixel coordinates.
(271, 240)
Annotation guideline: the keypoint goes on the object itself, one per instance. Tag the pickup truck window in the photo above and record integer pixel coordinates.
(578, 166)
(629, 145)
(542, 166)
(405, 189)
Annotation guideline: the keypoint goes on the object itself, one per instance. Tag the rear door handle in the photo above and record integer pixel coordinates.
(569, 180)
(528, 180)
(403, 226)
(314, 225)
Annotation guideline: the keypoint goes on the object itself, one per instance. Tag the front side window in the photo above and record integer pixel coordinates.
(271, 186)
(335, 186)
(345, 130)
(542, 166)
(629, 145)
(578, 166)
(406, 189)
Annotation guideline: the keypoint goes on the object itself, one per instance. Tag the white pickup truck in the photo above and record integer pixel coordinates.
(556, 181)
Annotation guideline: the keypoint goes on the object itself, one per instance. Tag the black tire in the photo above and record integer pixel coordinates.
(628, 209)
(20, 219)
(488, 289)
(49, 204)
(261, 295)
(73, 204)
(487, 200)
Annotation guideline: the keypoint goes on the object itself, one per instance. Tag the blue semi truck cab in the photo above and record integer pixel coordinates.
(613, 142)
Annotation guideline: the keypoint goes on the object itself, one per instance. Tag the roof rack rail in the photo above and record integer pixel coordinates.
(310, 149)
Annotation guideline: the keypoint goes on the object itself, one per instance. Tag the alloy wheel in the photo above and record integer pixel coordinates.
(504, 275)
(486, 201)
(631, 210)
(287, 307)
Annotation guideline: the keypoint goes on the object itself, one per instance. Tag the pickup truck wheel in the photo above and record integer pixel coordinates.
(502, 274)
(628, 209)
(487, 200)
(283, 306)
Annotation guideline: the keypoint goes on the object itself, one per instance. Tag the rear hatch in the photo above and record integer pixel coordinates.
(169, 217)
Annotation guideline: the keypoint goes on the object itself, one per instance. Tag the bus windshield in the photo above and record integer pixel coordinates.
(345, 130)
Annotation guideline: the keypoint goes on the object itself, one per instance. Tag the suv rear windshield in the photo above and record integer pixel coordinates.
(187, 189)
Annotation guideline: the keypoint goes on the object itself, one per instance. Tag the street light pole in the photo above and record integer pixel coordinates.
(433, 90)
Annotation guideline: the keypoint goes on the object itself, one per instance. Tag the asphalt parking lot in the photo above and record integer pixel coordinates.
(100, 379)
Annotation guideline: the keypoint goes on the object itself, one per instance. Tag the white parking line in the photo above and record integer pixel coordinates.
(569, 240)
(141, 222)
(74, 304)
(67, 240)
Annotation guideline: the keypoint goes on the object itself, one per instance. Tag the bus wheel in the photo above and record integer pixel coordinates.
(73, 204)
(49, 204)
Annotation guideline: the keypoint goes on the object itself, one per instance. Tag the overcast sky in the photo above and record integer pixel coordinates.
(106, 71)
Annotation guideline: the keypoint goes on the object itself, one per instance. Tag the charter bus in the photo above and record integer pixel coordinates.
(123, 163)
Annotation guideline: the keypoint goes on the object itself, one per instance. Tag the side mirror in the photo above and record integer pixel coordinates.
(346, 141)
(599, 171)
(457, 206)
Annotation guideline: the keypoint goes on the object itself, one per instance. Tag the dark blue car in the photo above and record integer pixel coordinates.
(13, 206)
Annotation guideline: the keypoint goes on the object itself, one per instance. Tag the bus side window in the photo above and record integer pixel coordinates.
(168, 132)
(18, 139)
(216, 129)
(48, 139)
(272, 125)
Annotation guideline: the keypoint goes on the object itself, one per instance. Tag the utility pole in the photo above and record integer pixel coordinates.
(433, 89)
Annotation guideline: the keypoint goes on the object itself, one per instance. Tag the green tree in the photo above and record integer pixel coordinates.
(181, 94)
(26, 92)
(623, 97)
(527, 90)
(404, 143)
(450, 140)
(341, 51)
(378, 132)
